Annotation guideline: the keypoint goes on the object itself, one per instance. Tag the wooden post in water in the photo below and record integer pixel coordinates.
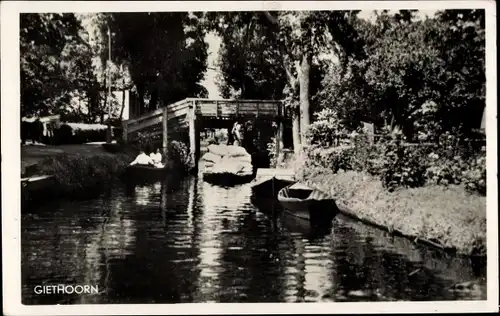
(165, 131)
(197, 137)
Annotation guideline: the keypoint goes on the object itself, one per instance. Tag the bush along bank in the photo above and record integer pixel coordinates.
(79, 175)
(431, 193)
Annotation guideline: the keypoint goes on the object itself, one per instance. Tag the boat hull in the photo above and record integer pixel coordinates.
(269, 188)
(138, 173)
(37, 189)
(312, 206)
(226, 179)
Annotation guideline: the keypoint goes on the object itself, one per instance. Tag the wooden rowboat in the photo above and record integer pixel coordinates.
(268, 187)
(145, 173)
(306, 203)
(37, 189)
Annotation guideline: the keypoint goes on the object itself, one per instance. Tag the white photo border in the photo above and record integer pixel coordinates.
(10, 133)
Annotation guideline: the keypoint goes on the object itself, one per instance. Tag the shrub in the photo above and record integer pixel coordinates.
(475, 177)
(79, 133)
(271, 149)
(402, 165)
(179, 155)
(63, 135)
(333, 159)
(117, 133)
(328, 129)
(86, 136)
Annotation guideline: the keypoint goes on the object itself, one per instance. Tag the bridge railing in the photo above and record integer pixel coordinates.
(155, 117)
(224, 108)
(206, 108)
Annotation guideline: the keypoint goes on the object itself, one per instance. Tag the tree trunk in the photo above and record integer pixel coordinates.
(123, 102)
(304, 78)
(140, 93)
(103, 106)
(153, 103)
(89, 102)
(296, 130)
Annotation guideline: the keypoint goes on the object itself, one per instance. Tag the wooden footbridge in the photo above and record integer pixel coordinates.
(184, 120)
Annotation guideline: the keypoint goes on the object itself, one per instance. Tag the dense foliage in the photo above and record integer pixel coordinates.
(287, 46)
(65, 62)
(46, 43)
(165, 52)
(421, 76)
(396, 162)
(71, 134)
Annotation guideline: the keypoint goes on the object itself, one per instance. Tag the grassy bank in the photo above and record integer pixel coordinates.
(84, 170)
(446, 215)
(76, 174)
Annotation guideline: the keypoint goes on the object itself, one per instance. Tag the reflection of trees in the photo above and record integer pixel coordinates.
(317, 269)
(115, 240)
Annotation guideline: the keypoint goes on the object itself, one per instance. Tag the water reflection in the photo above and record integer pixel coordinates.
(184, 240)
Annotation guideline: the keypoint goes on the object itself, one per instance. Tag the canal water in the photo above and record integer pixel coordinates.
(185, 240)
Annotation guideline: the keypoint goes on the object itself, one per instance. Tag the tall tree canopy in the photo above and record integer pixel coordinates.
(165, 52)
(46, 60)
(289, 44)
(422, 76)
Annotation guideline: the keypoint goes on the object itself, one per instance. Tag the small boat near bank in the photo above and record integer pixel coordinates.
(307, 203)
(35, 189)
(268, 187)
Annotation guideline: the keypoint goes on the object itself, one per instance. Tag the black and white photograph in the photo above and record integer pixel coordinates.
(340, 154)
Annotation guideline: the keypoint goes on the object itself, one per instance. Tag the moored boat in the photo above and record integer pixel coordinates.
(268, 187)
(226, 178)
(307, 203)
(37, 188)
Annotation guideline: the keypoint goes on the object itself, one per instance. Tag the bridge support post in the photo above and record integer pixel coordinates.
(164, 137)
(194, 135)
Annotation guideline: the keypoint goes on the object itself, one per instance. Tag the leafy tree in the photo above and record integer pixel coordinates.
(43, 50)
(164, 51)
(291, 40)
(459, 36)
(247, 59)
(420, 76)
